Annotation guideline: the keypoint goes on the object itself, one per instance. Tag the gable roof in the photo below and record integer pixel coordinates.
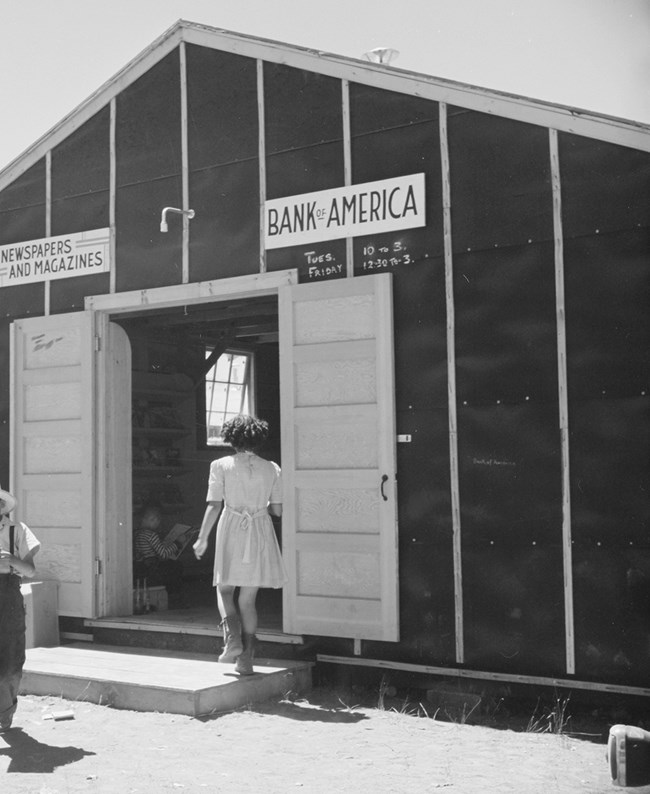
(560, 117)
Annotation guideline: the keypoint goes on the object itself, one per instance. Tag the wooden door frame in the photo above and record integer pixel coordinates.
(111, 595)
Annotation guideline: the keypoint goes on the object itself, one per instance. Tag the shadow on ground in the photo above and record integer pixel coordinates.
(29, 755)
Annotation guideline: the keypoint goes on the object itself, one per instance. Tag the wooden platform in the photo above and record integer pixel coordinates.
(149, 680)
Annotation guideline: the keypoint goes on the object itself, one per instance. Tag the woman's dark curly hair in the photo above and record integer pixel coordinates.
(245, 432)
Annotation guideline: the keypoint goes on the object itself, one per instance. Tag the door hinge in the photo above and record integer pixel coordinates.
(98, 343)
(98, 567)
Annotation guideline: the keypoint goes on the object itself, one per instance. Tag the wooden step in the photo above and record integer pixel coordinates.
(149, 680)
(197, 621)
(196, 631)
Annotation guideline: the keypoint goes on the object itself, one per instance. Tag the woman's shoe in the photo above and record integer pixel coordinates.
(232, 636)
(244, 665)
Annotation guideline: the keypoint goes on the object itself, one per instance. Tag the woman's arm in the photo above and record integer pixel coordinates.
(275, 509)
(209, 518)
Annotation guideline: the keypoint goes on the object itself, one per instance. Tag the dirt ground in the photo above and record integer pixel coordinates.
(323, 743)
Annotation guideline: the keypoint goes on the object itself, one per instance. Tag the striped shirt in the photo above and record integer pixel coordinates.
(148, 545)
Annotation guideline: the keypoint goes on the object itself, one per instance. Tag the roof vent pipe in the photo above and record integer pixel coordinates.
(381, 55)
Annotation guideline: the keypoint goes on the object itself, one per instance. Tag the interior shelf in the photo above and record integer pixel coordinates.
(163, 438)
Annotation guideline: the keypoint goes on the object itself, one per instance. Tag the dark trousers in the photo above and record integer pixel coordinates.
(12, 644)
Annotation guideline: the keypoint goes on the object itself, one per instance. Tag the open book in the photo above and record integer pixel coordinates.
(176, 531)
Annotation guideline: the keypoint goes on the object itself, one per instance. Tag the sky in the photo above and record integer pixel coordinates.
(589, 54)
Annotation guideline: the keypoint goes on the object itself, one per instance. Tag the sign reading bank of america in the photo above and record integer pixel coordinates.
(67, 255)
(383, 206)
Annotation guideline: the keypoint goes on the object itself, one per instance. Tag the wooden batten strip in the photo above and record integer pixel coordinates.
(48, 223)
(185, 165)
(347, 168)
(15, 407)
(567, 554)
(451, 381)
(261, 121)
(112, 189)
(48, 194)
(481, 675)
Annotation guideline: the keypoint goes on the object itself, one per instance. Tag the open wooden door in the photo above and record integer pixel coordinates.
(53, 449)
(339, 527)
(113, 493)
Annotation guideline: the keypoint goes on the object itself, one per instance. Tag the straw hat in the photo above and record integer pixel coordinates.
(9, 501)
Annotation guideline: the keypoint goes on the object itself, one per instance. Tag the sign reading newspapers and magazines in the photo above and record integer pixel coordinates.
(383, 206)
(67, 255)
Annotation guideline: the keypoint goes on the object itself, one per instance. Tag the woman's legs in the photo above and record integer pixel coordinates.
(226, 600)
(239, 647)
(248, 612)
(247, 609)
(230, 623)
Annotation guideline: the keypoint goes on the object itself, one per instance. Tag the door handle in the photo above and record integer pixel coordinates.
(383, 480)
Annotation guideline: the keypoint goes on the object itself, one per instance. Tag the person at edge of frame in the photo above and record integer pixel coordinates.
(247, 554)
(18, 546)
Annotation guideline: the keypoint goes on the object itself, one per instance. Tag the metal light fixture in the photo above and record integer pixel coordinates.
(163, 217)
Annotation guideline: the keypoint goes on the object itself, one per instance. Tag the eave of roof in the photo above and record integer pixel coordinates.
(532, 111)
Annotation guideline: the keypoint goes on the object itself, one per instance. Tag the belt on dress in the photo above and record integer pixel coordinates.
(245, 522)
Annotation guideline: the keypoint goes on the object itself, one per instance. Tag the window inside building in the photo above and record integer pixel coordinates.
(228, 390)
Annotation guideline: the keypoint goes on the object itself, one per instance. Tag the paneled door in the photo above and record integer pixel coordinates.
(70, 455)
(339, 526)
(52, 449)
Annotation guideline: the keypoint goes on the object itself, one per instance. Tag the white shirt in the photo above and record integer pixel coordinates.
(24, 539)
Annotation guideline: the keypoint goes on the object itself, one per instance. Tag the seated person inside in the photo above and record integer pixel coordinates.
(156, 559)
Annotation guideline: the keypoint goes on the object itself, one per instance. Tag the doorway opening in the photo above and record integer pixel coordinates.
(192, 368)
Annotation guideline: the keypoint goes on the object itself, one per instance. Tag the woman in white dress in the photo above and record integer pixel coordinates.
(247, 554)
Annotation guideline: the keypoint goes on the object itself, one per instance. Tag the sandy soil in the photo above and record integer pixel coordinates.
(319, 744)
